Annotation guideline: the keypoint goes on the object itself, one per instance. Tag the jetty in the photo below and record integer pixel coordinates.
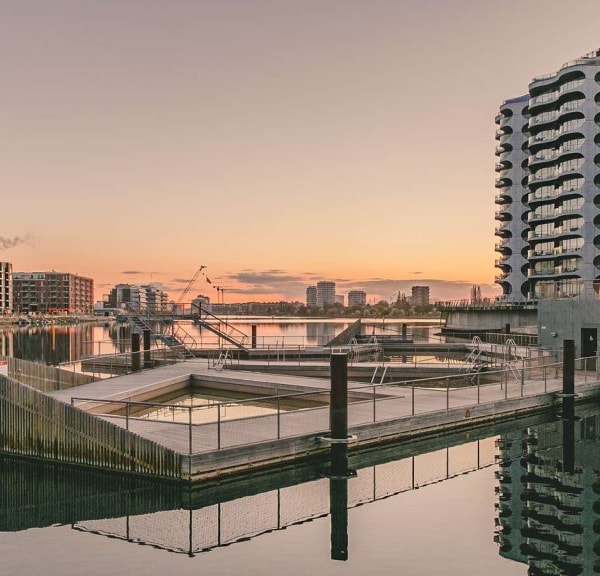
(251, 420)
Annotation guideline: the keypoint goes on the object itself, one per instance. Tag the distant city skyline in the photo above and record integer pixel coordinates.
(277, 144)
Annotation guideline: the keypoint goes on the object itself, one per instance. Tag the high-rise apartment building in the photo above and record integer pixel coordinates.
(6, 288)
(311, 296)
(419, 296)
(548, 182)
(357, 298)
(325, 293)
(52, 292)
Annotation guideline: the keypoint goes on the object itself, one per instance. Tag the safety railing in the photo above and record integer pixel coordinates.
(192, 427)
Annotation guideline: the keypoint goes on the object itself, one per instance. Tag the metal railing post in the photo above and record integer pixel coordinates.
(127, 407)
(447, 393)
(374, 409)
(219, 426)
(545, 383)
(478, 387)
(413, 400)
(278, 416)
(522, 377)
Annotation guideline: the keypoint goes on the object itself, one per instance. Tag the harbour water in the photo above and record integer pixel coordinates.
(496, 501)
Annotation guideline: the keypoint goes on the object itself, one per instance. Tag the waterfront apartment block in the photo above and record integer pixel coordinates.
(311, 296)
(142, 298)
(357, 298)
(548, 186)
(6, 289)
(325, 293)
(52, 293)
(420, 296)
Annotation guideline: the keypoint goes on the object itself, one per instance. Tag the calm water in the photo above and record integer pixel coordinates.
(493, 501)
(56, 344)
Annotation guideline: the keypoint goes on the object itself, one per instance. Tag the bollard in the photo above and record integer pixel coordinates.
(147, 343)
(404, 331)
(253, 335)
(338, 405)
(135, 352)
(569, 367)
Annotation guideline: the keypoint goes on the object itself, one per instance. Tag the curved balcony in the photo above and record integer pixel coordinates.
(502, 198)
(541, 254)
(547, 176)
(554, 272)
(503, 248)
(503, 182)
(533, 217)
(544, 118)
(503, 232)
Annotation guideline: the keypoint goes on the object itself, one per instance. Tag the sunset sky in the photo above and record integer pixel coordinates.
(276, 142)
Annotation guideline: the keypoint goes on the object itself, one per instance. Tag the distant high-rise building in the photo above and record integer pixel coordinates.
(144, 298)
(52, 292)
(357, 298)
(325, 293)
(311, 296)
(548, 186)
(420, 296)
(6, 288)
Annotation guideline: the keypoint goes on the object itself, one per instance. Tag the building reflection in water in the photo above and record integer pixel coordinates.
(548, 518)
(548, 495)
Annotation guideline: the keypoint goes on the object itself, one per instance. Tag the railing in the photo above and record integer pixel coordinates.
(203, 427)
(70, 374)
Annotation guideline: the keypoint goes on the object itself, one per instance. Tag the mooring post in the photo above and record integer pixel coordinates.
(568, 407)
(338, 405)
(147, 343)
(135, 352)
(403, 331)
(253, 335)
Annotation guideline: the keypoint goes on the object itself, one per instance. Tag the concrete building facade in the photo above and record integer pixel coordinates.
(6, 288)
(357, 298)
(325, 293)
(419, 296)
(311, 296)
(52, 293)
(548, 164)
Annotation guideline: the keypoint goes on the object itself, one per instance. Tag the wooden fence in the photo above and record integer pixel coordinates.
(36, 425)
(42, 377)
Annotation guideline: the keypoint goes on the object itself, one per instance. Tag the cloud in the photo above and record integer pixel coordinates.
(132, 272)
(7, 243)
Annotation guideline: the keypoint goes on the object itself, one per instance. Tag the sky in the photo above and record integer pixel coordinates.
(275, 142)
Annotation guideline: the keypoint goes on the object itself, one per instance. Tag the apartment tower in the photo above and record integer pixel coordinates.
(548, 186)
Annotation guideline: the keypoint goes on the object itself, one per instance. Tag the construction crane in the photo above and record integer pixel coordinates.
(190, 284)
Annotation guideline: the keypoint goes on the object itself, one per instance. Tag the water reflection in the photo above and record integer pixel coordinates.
(218, 514)
(548, 508)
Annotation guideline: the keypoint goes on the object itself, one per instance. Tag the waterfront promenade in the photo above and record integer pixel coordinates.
(216, 438)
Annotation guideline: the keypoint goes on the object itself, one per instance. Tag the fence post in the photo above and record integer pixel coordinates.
(374, 413)
(447, 393)
(478, 392)
(522, 377)
(126, 415)
(413, 400)
(278, 415)
(219, 426)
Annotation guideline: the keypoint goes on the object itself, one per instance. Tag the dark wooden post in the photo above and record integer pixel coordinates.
(253, 335)
(338, 406)
(147, 344)
(568, 406)
(135, 352)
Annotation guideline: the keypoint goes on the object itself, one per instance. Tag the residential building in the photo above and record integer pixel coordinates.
(549, 186)
(357, 298)
(325, 293)
(420, 296)
(311, 296)
(6, 288)
(52, 293)
(142, 298)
